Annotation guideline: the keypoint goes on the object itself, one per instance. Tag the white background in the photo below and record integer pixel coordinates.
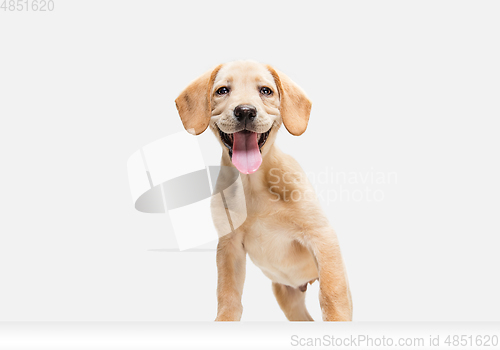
(405, 87)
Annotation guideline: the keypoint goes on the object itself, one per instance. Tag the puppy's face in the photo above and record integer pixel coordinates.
(244, 102)
(245, 111)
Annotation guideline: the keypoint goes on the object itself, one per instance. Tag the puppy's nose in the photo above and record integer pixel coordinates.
(245, 112)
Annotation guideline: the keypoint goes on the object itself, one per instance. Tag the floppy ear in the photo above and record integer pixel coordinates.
(194, 103)
(295, 107)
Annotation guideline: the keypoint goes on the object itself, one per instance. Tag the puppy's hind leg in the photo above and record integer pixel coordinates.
(292, 301)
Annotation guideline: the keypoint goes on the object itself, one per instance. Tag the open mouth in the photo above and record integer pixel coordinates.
(228, 139)
(245, 149)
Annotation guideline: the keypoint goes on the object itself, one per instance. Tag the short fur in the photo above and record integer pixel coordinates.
(290, 240)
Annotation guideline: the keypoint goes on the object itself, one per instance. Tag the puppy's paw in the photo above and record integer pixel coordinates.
(229, 314)
(223, 318)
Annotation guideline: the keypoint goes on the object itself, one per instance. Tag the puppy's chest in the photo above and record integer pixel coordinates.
(270, 236)
(269, 233)
(267, 238)
(276, 250)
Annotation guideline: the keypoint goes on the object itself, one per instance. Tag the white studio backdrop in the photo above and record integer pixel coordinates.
(402, 147)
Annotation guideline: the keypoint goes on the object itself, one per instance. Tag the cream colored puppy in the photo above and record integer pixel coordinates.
(291, 241)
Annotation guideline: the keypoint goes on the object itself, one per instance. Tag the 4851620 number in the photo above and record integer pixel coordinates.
(27, 5)
(469, 340)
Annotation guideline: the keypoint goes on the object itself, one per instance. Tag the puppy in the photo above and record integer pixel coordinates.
(285, 233)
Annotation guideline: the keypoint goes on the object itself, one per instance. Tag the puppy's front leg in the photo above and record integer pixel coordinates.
(334, 292)
(231, 263)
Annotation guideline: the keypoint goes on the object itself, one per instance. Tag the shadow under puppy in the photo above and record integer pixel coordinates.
(291, 241)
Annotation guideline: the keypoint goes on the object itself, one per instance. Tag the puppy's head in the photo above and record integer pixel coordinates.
(244, 103)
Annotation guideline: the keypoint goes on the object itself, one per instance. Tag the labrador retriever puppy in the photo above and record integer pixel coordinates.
(285, 233)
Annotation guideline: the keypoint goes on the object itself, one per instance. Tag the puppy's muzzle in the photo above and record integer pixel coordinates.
(245, 113)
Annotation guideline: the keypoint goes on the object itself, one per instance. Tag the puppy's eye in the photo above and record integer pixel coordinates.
(222, 91)
(266, 91)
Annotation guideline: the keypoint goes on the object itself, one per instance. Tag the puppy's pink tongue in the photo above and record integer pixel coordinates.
(246, 154)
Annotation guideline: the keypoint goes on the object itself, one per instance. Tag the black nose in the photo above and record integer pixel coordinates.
(245, 112)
